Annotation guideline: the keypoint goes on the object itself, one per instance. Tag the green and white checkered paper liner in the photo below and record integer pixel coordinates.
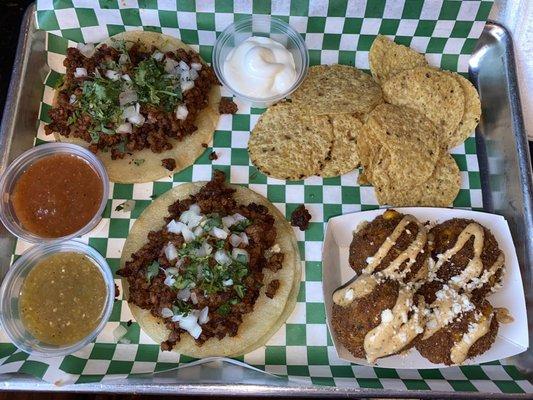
(341, 31)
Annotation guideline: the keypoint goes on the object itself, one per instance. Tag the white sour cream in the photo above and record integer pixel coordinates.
(260, 67)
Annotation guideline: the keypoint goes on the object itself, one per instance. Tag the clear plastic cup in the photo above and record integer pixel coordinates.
(21, 164)
(261, 25)
(10, 295)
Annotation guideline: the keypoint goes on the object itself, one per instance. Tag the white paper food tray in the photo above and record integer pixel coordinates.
(512, 338)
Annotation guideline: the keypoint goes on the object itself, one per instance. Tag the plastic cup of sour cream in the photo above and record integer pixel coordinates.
(260, 59)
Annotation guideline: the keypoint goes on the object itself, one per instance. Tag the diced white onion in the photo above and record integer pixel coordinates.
(126, 77)
(183, 66)
(204, 315)
(123, 59)
(119, 332)
(228, 221)
(222, 257)
(132, 114)
(169, 280)
(219, 233)
(196, 66)
(171, 66)
(127, 96)
(86, 49)
(185, 75)
(227, 282)
(235, 240)
(166, 312)
(190, 324)
(125, 127)
(194, 298)
(97, 73)
(198, 231)
(239, 252)
(80, 72)
(171, 271)
(175, 226)
(171, 253)
(113, 75)
(181, 112)
(72, 99)
(195, 208)
(238, 217)
(158, 56)
(184, 294)
(176, 318)
(193, 74)
(186, 85)
(191, 218)
(188, 235)
(244, 238)
(207, 248)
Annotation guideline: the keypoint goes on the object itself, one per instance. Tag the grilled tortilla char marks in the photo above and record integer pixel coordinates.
(169, 163)
(154, 295)
(393, 244)
(160, 125)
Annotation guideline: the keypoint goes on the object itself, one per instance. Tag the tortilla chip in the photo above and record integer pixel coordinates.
(287, 143)
(434, 93)
(471, 114)
(343, 157)
(145, 165)
(438, 191)
(268, 314)
(402, 146)
(387, 58)
(332, 89)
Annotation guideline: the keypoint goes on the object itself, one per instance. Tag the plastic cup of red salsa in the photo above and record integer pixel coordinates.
(14, 172)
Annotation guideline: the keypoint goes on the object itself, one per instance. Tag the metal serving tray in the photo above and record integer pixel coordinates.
(507, 190)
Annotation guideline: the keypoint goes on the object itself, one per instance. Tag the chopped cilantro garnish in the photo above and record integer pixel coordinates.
(224, 309)
(213, 220)
(100, 102)
(240, 226)
(239, 289)
(155, 86)
(181, 307)
(95, 137)
(152, 271)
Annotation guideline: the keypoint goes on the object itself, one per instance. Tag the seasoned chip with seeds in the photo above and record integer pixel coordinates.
(330, 89)
(343, 157)
(434, 93)
(287, 143)
(439, 190)
(406, 146)
(387, 58)
(471, 114)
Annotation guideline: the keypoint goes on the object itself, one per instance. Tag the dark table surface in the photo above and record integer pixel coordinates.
(11, 13)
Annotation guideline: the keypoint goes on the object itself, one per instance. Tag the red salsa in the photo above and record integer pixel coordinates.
(57, 195)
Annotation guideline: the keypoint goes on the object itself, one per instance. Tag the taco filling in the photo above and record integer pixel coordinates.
(126, 97)
(203, 271)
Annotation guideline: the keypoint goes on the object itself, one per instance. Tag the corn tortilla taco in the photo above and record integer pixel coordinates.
(211, 269)
(144, 102)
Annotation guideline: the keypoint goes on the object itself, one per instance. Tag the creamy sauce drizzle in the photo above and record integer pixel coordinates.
(475, 331)
(410, 253)
(360, 287)
(395, 330)
(445, 308)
